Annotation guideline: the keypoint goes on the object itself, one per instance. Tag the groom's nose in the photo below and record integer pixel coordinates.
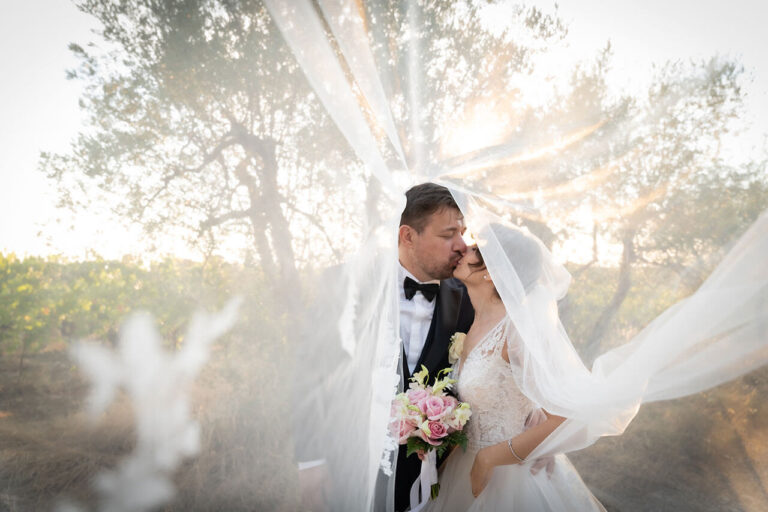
(460, 245)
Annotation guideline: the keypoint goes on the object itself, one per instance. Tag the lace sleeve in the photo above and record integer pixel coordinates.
(504, 342)
(513, 344)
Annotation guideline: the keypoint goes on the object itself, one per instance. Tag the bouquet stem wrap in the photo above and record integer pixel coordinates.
(427, 479)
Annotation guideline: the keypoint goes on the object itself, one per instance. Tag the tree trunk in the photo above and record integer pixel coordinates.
(564, 306)
(258, 225)
(619, 295)
(265, 199)
(21, 358)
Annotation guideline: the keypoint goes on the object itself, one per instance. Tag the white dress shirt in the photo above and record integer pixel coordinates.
(415, 319)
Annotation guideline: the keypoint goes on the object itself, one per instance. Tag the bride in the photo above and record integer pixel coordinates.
(494, 473)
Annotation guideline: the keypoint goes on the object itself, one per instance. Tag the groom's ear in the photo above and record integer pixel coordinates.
(405, 235)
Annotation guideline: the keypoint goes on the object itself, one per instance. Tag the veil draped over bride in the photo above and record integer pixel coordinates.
(407, 103)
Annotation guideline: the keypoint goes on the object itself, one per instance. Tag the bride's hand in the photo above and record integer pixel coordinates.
(480, 474)
(544, 462)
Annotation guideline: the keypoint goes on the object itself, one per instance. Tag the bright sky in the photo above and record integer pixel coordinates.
(648, 31)
(39, 111)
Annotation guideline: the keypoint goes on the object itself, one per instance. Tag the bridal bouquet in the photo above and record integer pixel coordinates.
(427, 419)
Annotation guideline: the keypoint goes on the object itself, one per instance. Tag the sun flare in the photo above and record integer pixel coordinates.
(483, 126)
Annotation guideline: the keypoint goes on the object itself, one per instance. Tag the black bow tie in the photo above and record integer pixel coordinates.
(428, 290)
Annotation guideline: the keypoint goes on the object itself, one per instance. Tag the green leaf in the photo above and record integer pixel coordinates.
(415, 444)
(457, 438)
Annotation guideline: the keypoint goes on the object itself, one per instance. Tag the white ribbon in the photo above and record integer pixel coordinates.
(427, 478)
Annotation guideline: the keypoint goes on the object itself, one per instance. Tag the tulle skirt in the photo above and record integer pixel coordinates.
(512, 488)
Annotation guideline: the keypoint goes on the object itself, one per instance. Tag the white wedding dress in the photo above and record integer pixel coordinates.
(499, 410)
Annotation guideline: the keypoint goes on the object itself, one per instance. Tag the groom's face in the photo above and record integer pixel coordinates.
(440, 246)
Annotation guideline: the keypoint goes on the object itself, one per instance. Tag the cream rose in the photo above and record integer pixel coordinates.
(456, 347)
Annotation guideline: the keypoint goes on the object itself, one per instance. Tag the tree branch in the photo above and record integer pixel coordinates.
(224, 143)
(319, 226)
(221, 219)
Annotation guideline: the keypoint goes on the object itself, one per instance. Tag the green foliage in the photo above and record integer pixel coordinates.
(47, 302)
(456, 438)
(656, 181)
(415, 444)
(653, 290)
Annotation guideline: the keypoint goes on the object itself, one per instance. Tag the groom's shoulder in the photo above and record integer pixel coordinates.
(465, 313)
(453, 283)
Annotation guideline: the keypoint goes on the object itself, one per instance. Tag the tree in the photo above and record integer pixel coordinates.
(200, 119)
(641, 167)
(667, 162)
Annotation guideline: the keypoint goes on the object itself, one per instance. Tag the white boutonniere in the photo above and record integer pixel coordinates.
(456, 347)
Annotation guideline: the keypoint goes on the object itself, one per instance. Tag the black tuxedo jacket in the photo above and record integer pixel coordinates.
(453, 313)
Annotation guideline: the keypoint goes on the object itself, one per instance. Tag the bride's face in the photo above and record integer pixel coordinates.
(467, 270)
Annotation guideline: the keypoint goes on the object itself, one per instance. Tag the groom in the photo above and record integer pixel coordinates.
(433, 305)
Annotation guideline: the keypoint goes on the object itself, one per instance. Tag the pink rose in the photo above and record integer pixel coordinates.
(437, 429)
(415, 395)
(450, 403)
(432, 407)
(428, 439)
(404, 431)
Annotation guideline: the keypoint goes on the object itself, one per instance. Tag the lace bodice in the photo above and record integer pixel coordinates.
(486, 381)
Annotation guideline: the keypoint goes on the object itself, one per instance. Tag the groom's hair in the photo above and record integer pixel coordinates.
(423, 200)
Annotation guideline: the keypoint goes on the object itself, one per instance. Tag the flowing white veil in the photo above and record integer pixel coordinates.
(715, 335)
(380, 105)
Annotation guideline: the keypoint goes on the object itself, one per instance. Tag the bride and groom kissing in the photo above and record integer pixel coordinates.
(444, 287)
(441, 279)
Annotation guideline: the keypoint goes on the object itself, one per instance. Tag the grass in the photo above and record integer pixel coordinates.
(50, 451)
(708, 452)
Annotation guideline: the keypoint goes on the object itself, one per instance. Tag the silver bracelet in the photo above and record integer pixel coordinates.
(509, 443)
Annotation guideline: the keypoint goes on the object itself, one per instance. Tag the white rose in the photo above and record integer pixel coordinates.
(456, 347)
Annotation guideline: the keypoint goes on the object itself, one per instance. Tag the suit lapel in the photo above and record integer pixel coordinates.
(442, 327)
(404, 370)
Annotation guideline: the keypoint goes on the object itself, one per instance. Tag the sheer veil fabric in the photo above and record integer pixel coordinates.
(714, 335)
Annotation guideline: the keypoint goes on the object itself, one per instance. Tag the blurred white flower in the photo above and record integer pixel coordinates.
(157, 382)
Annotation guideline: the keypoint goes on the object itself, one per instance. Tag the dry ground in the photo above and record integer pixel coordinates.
(49, 450)
(708, 452)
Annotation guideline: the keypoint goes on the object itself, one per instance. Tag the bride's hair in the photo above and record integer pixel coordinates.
(521, 249)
